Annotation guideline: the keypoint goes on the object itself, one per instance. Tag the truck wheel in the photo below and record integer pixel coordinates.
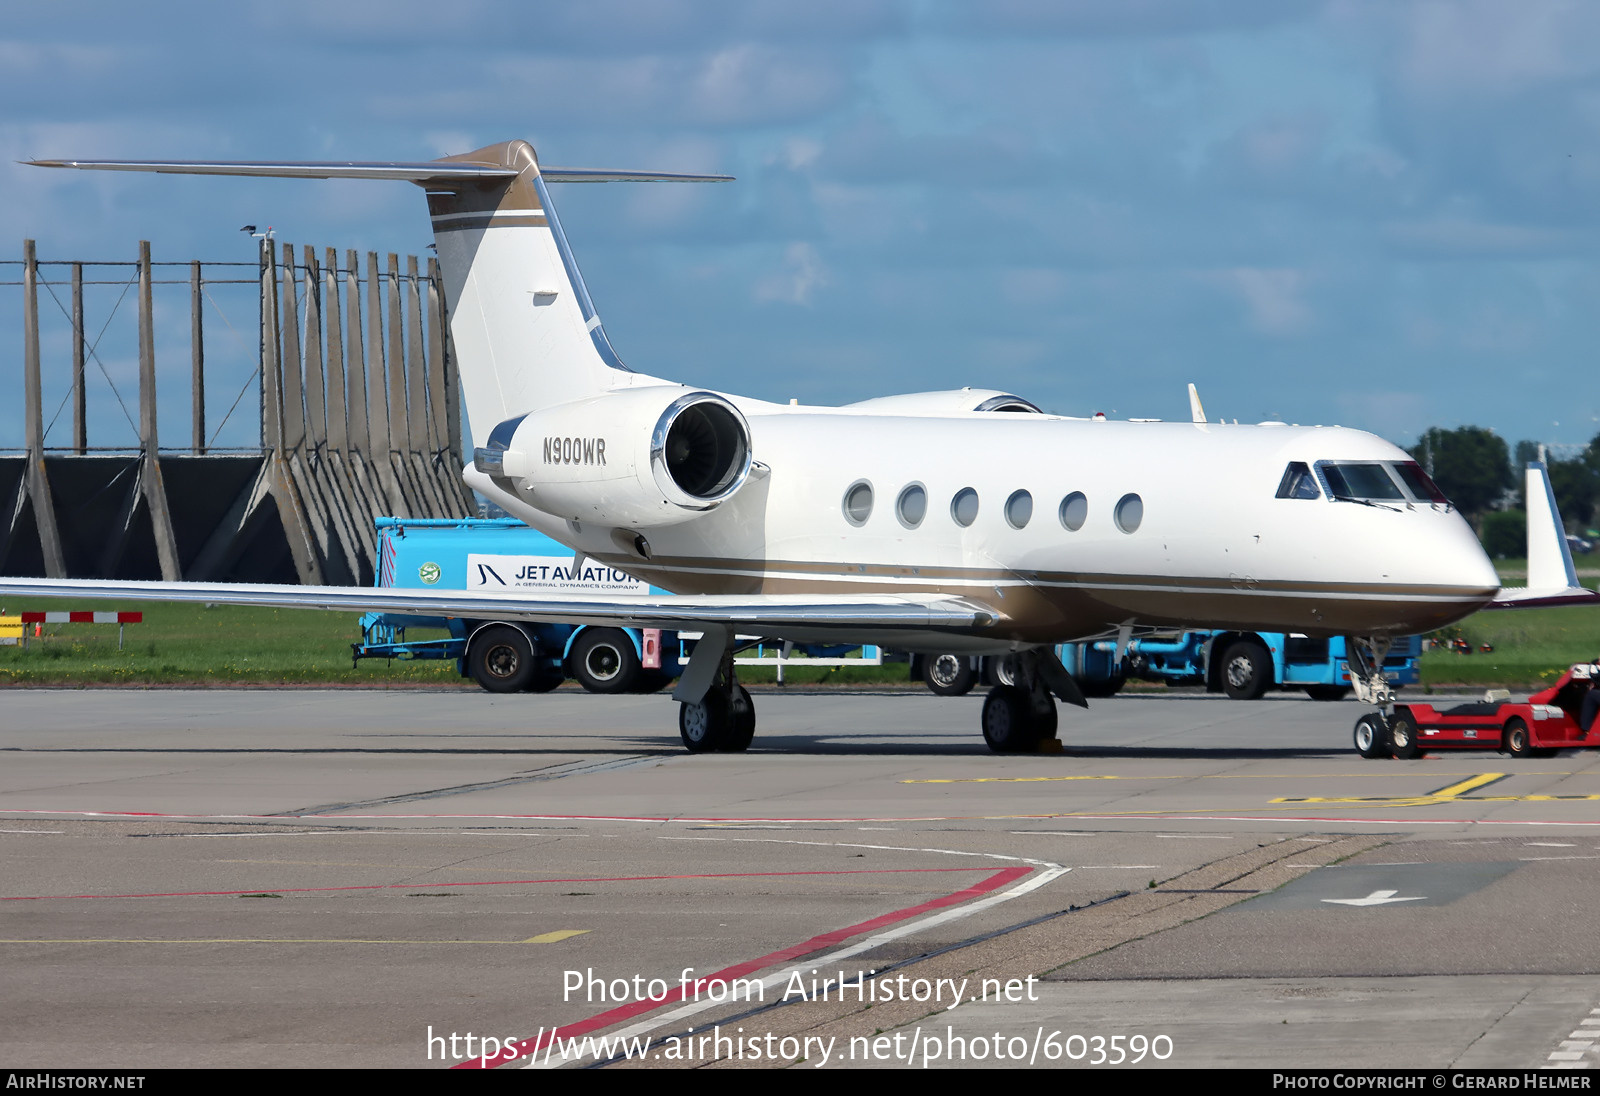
(998, 670)
(501, 659)
(1514, 740)
(1008, 723)
(652, 681)
(1372, 737)
(603, 661)
(948, 675)
(1327, 692)
(1101, 687)
(544, 682)
(1403, 737)
(704, 726)
(1246, 671)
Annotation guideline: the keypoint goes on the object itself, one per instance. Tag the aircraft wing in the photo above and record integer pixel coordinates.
(1552, 579)
(778, 616)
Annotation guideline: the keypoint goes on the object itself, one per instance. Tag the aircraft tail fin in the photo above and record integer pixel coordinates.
(525, 330)
(1549, 556)
(1552, 579)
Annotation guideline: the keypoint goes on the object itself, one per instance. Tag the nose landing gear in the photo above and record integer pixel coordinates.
(1375, 732)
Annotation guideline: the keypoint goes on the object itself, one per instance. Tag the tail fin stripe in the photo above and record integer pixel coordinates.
(477, 222)
(501, 214)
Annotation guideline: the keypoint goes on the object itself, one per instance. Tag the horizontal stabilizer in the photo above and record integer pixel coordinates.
(1543, 597)
(425, 171)
(764, 614)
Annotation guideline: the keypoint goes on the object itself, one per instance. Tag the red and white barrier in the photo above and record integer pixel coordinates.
(77, 616)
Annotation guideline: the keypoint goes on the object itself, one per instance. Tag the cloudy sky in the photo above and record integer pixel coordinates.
(1376, 213)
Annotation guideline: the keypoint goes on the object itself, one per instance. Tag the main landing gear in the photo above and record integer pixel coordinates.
(1022, 715)
(1381, 733)
(724, 719)
(716, 713)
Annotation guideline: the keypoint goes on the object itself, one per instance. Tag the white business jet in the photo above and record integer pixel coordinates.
(964, 521)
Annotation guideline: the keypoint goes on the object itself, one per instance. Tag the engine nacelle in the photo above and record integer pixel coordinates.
(636, 457)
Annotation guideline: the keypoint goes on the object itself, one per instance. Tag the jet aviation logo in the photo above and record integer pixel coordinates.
(552, 573)
(429, 573)
(574, 450)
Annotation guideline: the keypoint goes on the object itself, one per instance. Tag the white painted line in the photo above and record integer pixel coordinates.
(33, 831)
(1088, 867)
(1552, 844)
(1199, 836)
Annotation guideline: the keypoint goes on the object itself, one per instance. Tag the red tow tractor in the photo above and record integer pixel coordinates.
(1537, 727)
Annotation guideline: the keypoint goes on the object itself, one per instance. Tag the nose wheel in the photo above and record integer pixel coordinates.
(1372, 736)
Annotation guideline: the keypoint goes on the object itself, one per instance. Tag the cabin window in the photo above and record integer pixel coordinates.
(1129, 513)
(1074, 511)
(1019, 509)
(1298, 482)
(858, 503)
(1419, 483)
(912, 506)
(1358, 480)
(964, 507)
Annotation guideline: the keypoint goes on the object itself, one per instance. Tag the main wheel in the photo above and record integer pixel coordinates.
(743, 727)
(705, 726)
(603, 661)
(948, 675)
(1372, 737)
(1515, 740)
(1403, 737)
(1246, 671)
(1008, 720)
(501, 659)
(1327, 692)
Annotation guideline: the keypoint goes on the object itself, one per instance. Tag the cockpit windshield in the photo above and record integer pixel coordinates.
(1352, 480)
(1419, 483)
(1371, 482)
(1298, 482)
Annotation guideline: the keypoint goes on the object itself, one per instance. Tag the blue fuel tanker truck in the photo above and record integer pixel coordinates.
(481, 554)
(1242, 664)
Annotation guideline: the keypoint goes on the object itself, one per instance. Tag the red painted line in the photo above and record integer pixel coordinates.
(749, 966)
(483, 883)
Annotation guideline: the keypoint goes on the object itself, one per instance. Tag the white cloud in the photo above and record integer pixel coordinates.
(802, 274)
(1273, 299)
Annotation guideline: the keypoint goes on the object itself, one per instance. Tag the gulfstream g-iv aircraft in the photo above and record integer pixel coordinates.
(964, 521)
